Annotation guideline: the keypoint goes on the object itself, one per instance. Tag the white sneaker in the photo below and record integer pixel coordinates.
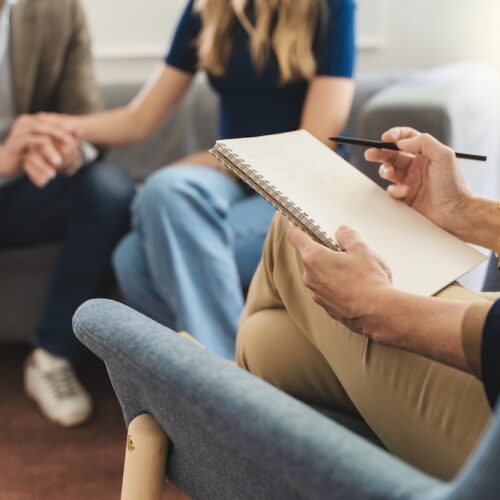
(52, 383)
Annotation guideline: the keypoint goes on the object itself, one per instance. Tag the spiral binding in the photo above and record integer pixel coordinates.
(245, 172)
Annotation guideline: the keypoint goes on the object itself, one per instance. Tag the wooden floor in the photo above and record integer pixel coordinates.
(39, 460)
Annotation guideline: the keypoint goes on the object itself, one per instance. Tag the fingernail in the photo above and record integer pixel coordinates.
(401, 191)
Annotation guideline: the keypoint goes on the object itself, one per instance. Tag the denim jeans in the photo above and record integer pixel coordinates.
(196, 241)
(89, 214)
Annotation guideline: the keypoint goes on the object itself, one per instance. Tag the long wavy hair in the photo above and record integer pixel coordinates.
(291, 39)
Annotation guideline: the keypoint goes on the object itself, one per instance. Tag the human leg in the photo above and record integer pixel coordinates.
(136, 283)
(98, 200)
(249, 219)
(32, 216)
(89, 213)
(181, 217)
(297, 367)
(426, 413)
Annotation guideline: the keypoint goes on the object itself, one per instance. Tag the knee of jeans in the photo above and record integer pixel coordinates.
(123, 261)
(109, 188)
(165, 192)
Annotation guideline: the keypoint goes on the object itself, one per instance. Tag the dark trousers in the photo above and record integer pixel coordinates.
(89, 213)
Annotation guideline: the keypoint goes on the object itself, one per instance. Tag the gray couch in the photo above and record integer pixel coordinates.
(445, 102)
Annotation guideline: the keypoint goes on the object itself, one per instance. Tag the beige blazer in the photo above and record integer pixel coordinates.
(51, 58)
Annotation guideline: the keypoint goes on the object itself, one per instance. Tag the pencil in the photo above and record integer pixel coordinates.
(393, 147)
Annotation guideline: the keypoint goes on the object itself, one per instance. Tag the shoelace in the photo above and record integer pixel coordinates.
(61, 383)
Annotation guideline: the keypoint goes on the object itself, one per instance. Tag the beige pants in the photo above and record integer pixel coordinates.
(426, 413)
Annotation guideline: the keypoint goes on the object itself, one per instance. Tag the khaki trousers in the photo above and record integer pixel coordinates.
(426, 413)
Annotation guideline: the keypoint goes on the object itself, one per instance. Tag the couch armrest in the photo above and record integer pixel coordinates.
(233, 435)
(457, 104)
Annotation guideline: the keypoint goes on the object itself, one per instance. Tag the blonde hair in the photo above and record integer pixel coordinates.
(291, 40)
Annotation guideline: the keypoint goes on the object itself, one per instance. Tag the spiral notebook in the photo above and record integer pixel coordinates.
(319, 191)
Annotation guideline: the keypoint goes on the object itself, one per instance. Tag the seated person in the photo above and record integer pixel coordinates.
(197, 232)
(50, 70)
(330, 329)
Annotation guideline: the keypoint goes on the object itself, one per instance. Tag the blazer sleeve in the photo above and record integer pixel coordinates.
(77, 91)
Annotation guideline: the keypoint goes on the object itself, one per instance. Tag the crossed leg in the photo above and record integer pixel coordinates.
(428, 414)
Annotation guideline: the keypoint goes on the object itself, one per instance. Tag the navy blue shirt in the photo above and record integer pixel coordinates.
(490, 354)
(254, 102)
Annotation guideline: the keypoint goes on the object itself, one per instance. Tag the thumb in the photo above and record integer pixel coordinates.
(299, 239)
(348, 239)
(428, 146)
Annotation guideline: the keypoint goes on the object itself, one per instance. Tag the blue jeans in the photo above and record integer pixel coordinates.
(196, 241)
(89, 214)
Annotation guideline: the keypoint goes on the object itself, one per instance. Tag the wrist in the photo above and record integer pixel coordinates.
(80, 125)
(10, 163)
(459, 212)
(477, 220)
(76, 164)
(378, 324)
(460, 216)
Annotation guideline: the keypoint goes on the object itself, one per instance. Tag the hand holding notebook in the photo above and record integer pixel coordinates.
(319, 191)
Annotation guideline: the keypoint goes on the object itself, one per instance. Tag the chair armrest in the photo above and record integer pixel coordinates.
(233, 435)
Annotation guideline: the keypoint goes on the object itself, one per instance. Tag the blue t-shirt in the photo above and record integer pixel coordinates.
(254, 102)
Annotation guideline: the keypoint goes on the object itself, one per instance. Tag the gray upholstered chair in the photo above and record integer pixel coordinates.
(232, 436)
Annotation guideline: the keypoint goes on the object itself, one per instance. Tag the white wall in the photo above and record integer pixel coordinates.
(130, 37)
(422, 33)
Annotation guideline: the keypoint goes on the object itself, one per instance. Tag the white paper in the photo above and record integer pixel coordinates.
(423, 258)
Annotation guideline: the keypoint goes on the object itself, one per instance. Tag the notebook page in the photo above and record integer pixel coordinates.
(423, 257)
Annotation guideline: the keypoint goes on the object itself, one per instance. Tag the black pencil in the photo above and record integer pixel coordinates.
(393, 147)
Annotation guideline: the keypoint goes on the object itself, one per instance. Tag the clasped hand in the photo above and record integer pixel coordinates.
(355, 286)
(39, 148)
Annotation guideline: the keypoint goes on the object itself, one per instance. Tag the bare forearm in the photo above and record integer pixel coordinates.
(323, 129)
(120, 126)
(354, 287)
(324, 95)
(477, 221)
(428, 326)
(143, 116)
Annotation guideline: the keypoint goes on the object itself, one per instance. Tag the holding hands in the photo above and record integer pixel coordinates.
(40, 148)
